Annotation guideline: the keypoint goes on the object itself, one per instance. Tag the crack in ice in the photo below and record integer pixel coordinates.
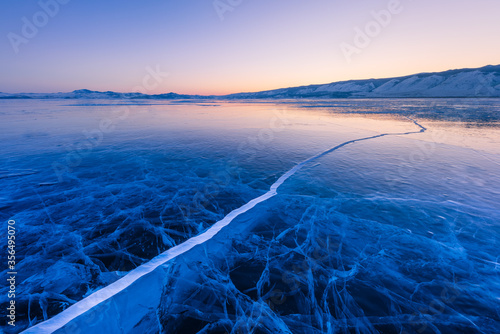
(86, 304)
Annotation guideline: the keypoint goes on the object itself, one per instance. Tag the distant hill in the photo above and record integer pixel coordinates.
(90, 94)
(478, 82)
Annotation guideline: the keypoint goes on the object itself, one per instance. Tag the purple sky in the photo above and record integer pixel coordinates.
(228, 46)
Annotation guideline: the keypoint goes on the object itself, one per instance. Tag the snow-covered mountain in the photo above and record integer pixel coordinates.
(479, 82)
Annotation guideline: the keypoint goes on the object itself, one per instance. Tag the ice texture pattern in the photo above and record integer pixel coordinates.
(389, 234)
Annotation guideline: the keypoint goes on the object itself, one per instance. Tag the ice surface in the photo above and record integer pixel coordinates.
(108, 292)
(364, 239)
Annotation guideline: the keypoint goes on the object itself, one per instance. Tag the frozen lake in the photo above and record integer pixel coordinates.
(397, 233)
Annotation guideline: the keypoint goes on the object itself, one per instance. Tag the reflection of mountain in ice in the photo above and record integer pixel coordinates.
(366, 238)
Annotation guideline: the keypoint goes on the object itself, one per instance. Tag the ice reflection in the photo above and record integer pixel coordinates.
(391, 235)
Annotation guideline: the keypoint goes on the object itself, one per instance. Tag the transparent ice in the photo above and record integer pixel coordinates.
(393, 234)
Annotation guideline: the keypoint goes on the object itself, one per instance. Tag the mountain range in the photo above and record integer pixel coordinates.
(467, 83)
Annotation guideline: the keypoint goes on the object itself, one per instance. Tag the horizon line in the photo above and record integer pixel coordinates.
(259, 91)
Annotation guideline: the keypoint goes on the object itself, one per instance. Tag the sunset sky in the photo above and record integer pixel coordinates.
(231, 46)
